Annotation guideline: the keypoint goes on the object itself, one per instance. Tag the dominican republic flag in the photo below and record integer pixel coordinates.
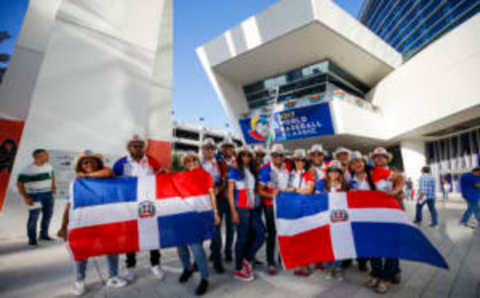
(339, 226)
(129, 214)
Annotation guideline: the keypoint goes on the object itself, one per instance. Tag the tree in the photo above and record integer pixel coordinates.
(4, 57)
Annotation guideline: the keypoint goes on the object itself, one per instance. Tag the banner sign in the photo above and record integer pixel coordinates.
(300, 123)
(10, 133)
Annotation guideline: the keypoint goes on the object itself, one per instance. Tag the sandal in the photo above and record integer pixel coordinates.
(382, 287)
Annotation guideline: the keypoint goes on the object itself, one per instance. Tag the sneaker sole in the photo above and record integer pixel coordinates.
(243, 279)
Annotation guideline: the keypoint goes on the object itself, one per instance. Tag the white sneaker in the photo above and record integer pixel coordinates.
(116, 282)
(158, 272)
(130, 274)
(79, 288)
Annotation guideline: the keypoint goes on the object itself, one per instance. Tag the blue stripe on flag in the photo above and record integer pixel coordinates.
(185, 228)
(393, 240)
(92, 192)
(292, 206)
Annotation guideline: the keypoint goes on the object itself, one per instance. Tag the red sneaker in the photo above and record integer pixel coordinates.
(242, 275)
(247, 266)
(272, 270)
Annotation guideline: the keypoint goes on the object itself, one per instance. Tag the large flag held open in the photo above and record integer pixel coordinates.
(113, 216)
(339, 226)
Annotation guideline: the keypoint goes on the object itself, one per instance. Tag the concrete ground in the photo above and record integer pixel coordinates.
(46, 271)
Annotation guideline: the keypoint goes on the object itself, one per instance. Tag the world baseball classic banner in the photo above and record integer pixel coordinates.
(291, 124)
(129, 214)
(339, 226)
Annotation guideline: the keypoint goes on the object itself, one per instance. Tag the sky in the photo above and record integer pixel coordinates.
(11, 16)
(197, 22)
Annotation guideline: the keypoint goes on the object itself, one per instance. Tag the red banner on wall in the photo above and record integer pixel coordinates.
(10, 133)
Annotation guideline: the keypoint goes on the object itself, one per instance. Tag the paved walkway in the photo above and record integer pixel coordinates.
(47, 271)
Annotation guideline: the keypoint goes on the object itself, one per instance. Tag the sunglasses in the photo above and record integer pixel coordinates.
(275, 155)
(88, 161)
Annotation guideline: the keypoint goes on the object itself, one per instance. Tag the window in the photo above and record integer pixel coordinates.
(186, 134)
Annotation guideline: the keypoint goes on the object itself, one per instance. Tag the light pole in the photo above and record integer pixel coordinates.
(273, 94)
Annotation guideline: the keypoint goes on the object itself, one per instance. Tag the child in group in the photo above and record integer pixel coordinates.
(335, 182)
(303, 182)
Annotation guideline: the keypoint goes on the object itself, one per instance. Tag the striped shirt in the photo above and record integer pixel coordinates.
(37, 179)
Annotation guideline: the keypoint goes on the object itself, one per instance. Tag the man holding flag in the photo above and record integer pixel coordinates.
(139, 164)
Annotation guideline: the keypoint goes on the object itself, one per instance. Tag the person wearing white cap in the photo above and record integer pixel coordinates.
(385, 270)
(90, 165)
(226, 158)
(191, 162)
(260, 153)
(138, 164)
(227, 148)
(218, 169)
(302, 182)
(343, 155)
(318, 167)
(360, 180)
(273, 178)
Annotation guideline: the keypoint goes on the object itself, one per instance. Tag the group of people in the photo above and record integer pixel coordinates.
(244, 184)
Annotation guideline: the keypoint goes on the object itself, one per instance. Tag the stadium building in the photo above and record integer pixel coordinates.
(317, 74)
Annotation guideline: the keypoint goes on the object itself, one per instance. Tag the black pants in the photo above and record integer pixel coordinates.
(154, 258)
(271, 234)
(216, 244)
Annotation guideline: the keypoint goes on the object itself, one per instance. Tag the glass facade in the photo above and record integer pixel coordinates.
(451, 156)
(303, 81)
(410, 25)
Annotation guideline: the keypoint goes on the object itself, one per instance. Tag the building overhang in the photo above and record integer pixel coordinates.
(291, 34)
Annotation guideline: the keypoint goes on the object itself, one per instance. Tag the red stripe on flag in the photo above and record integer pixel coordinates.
(166, 189)
(306, 248)
(193, 183)
(107, 239)
(371, 199)
(242, 198)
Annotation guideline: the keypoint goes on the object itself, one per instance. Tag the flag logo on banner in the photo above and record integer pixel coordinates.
(339, 226)
(129, 214)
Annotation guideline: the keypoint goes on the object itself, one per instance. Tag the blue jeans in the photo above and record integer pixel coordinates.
(472, 208)
(47, 202)
(198, 255)
(216, 244)
(81, 267)
(431, 208)
(250, 236)
(384, 268)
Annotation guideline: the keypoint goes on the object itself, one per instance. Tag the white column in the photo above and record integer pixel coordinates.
(414, 158)
(95, 85)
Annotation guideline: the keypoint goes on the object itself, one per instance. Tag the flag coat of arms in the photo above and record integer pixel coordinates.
(130, 214)
(339, 226)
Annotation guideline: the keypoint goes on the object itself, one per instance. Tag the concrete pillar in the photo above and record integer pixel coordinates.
(413, 156)
(100, 76)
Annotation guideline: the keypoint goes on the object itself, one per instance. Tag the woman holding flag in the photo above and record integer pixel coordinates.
(191, 162)
(385, 270)
(250, 229)
(90, 165)
(360, 180)
(303, 182)
(335, 182)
